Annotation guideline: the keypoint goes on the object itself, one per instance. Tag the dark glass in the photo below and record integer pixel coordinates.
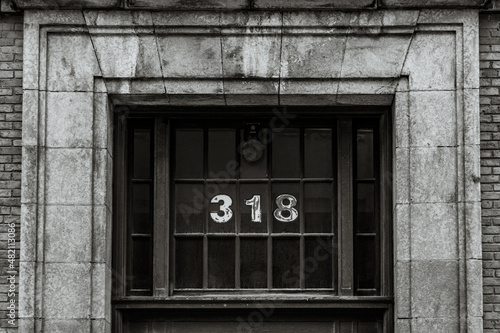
(286, 153)
(189, 153)
(212, 190)
(253, 269)
(221, 255)
(253, 155)
(141, 264)
(190, 207)
(364, 149)
(346, 327)
(189, 262)
(318, 199)
(142, 153)
(365, 262)
(286, 263)
(318, 153)
(221, 153)
(318, 262)
(247, 192)
(365, 208)
(142, 208)
(286, 189)
(368, 327)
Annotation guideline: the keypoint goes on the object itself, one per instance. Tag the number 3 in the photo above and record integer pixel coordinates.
(226, 203)
(278, 213)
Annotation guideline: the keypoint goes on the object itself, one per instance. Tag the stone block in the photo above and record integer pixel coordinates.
(317, 18)
(313, 4)
(29, 176)
(118, 18)
(251, 19)
(68, 176)
(188, 5)
(30, 117)
(433, 118)
(361, 99)
(251, 56)
(471, 117)
(367, 87)
(101, 291)
(197, 99)
(402, 290)
(72, 63)
(403, 325)
(31, 52)
(193, 56)
(374, 56)
(67, 325)
(434, 291)
(401, 119)
(102, 226)
(100, 326)
(193, 86)
(402, 175)
(428, 3)
(127, 56)
(402, 232)
(308, 92)
(436, 53)
(147, 86)
(435, 325)
(186, 18)
(474, 269)
(101, 177)
(103, 122)
(28, 230)
(312, 57)
(473, 230)
(246, 99)
(27, 4)
(67, 290)
(68, 233)
(433, 174)
(472, 173)
(27, 291)
(144, 100)
(434, 231)
(69, 119)
(385, 18)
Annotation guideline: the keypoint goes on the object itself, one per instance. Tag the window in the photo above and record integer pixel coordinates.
(272, 204)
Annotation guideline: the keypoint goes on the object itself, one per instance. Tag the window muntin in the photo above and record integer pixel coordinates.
(252, 248)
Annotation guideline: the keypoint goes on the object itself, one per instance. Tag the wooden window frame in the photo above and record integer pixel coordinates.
(162, 296)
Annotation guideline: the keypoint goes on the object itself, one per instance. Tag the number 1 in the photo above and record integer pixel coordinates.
(256, 212)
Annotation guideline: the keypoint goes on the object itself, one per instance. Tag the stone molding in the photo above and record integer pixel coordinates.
(78, 65)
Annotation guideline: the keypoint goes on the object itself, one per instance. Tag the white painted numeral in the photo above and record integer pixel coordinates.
(292, 212)
(256, 211)
(224, 208)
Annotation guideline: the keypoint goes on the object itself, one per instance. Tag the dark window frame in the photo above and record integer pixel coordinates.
(161, 294)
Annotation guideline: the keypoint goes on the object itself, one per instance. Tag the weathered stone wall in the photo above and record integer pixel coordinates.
(490, 166)
(11, 56)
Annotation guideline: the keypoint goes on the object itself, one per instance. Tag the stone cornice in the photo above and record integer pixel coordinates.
(239, 4)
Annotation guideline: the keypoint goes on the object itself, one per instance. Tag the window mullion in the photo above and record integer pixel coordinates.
(345, 174)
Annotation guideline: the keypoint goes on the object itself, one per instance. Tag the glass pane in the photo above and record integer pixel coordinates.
(318, 153)
(254, 208)
(286, 263)
(286, 153)
(286, 216)
(366, 262)
(189, 263)
(221, 153)
(221, 255)
(366, 208)
(142, 153)
(190, 207)
(253, 156)
(142, 208)
(318, 199)
(368, 327)
(223, 207)
(364, 153)
(318, 262)
(141, 263)
(189, 153)
(253, 269)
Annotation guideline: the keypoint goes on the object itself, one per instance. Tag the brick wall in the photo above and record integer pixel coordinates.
(490, 166)
(11, 56)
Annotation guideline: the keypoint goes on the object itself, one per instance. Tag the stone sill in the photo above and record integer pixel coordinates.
(11, 5)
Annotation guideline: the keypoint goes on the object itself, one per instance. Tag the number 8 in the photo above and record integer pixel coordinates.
(278, 213)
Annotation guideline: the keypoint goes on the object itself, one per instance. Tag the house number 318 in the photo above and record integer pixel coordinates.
(284, 213)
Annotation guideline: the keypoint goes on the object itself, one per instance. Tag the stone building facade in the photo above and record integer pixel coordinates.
(431, 68)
